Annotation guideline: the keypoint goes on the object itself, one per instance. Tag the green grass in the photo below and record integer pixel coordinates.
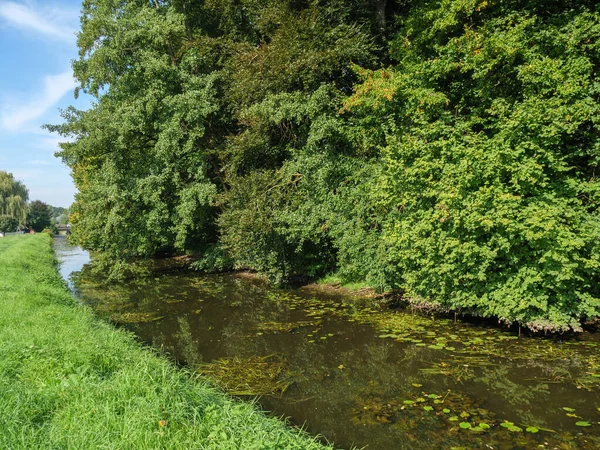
(71, 381)
(351, 286)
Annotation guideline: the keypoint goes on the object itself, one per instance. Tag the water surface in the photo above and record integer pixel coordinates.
(360, 374)
(71, 259)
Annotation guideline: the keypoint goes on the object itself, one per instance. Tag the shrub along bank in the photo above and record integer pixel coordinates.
(68, 380)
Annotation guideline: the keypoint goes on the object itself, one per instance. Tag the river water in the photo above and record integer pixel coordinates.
(355, 372)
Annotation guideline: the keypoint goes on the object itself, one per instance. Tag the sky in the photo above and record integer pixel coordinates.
(37, 44)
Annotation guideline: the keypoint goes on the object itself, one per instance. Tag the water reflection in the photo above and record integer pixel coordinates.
(366, 376)
(70, 258)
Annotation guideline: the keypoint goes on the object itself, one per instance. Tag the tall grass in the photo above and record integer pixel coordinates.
(70, 381)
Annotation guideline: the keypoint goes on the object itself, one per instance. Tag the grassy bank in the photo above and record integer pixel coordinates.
(68, 380)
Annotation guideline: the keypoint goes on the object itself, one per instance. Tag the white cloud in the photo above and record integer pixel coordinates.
(33, 17)
(15, 117)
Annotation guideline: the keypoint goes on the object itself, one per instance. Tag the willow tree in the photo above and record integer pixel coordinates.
(13, 197)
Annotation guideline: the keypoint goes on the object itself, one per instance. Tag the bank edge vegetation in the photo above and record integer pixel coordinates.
(449, 149)
(70, 380)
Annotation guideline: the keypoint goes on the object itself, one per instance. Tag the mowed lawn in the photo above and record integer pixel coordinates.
(71, 381)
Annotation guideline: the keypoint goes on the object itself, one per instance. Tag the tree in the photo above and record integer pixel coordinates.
(13, 197)
(146, 184)
(58, 210)
(8, 224)
(39, 215)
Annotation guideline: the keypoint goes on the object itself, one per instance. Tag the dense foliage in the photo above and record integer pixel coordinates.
(445, 148)
(39, 215)
(59, 214)
(8, 224)
(13, 197)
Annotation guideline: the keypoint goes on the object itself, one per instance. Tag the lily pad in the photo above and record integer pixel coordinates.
(583, 424)
(532, 429)
(464, 425)
(436, 347)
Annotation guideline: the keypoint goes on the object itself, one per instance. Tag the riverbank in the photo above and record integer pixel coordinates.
(69, 380)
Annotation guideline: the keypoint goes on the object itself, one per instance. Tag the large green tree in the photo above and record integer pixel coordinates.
(13, 197)
(39, 215)
(143, 175)
(8, 224)
(179, 118)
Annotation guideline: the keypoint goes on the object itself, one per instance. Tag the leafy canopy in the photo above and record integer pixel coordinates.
(445, 148)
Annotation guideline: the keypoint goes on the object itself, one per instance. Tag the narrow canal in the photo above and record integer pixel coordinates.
(356, 372)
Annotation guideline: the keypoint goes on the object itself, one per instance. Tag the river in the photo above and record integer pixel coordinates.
(356, 372)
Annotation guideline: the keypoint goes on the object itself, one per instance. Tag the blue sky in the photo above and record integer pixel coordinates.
(37, 44)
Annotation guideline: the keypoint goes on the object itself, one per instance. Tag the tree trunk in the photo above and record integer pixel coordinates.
(380, 12)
